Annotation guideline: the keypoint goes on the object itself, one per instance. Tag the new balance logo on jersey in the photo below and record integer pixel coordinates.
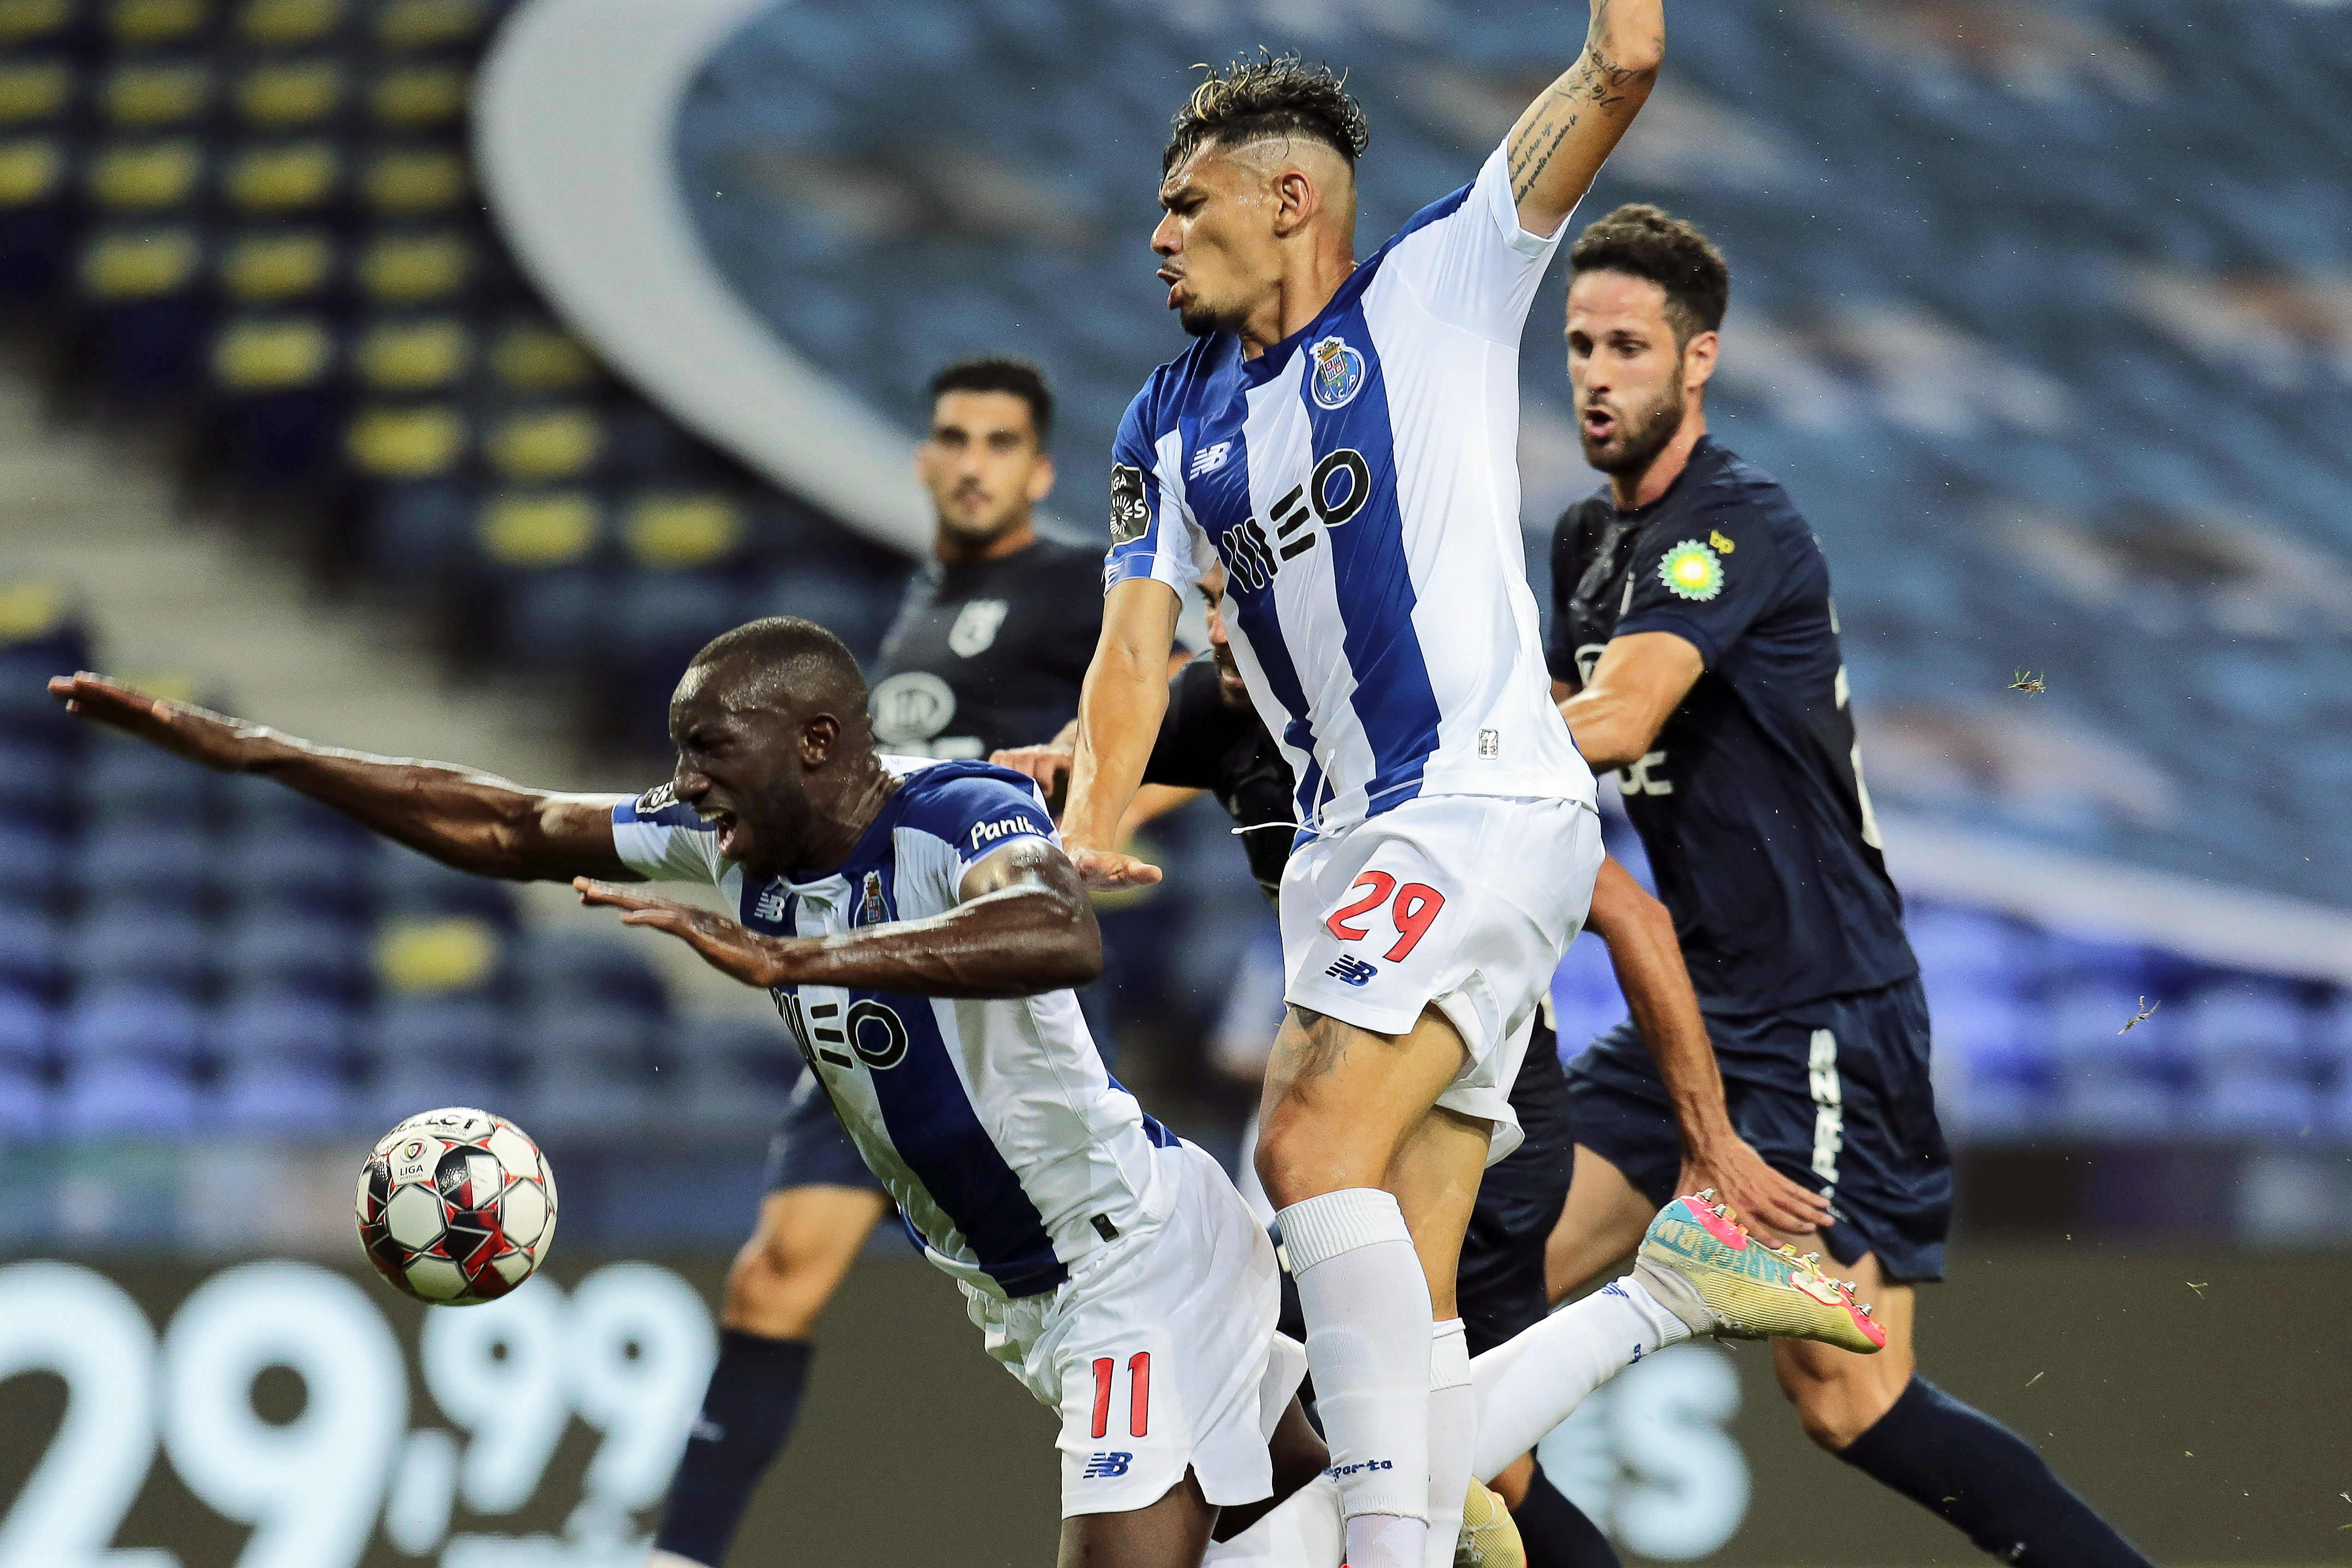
(1102, 1466)
(1352, 971)
(771, 905)
(1002, 827)
(1209, 460)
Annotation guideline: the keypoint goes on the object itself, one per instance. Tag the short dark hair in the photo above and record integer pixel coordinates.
(1274, 95)
(998, 373)
(788, 648)
(1643, 241)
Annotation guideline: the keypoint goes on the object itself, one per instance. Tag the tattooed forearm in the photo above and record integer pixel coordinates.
(1560, 143)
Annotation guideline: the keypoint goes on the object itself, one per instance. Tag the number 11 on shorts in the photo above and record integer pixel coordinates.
(1138, 1393)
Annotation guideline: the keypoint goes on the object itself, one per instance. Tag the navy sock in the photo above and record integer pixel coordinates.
(1984, 1478)
(1557, 1532)
(755, 1392)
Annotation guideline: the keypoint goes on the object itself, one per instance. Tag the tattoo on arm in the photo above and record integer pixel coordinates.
(1311, 1044)
(1597, 82)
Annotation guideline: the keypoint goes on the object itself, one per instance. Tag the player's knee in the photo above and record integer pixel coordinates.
(771, 1292)
(1294, 1164)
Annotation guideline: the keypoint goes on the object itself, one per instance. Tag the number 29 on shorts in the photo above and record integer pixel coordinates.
(1411, 910)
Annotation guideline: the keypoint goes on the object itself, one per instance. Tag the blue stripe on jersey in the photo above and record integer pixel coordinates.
(1159, 1136)
(936, 1131)
(1268, 365)
(1393, 697)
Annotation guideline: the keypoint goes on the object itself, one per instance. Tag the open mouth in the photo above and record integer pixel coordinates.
(730, 833)
(1599, 424)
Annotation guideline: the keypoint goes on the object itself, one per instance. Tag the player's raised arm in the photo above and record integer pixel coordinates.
(1649, 964)
(1022, 925)
(1641, 679)
(472, 821)
(1566, 134)
(1120, 711)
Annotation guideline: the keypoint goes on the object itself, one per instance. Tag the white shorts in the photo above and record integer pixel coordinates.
(1462, 902)
(1160, 1350)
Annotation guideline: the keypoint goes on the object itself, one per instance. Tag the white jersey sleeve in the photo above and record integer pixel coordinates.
(664, 840)
(1467, 260)
(1153, 533)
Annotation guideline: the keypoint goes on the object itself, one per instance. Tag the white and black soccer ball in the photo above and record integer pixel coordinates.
(456, 1206)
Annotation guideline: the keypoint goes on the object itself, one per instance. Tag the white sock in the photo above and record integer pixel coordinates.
(1368, 1344)
(1535, 1379)
(1303, 1532)
(1452, 1438)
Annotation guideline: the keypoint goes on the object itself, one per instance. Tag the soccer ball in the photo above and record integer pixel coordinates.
(456, 1206)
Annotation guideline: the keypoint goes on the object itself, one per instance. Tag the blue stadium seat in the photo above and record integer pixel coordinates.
(32, 864)
(127, 782)
(281, 1058)
(411, 883)
(2251, 1043)
(294, 948)
(132, 1020)
(738, 1073)
(587, 1070)
(163, 865)
(323, 875)
(560, 970)
(438, 1051)
(127, 939)
(27, 1106)
(32, 950)
(2119, 1084)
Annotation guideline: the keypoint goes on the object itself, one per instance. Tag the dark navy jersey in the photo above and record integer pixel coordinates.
(987, 655)
(1751, 802)
(1204, 745)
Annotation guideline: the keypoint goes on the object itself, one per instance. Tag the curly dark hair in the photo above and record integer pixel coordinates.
(1643, 241)
(1274, 95)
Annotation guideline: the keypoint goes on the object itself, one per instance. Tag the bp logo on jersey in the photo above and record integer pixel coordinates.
(1338, 374)
(1692, 570)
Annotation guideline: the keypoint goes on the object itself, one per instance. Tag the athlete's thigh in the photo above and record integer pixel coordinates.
(796, 1257)
(1602, 1221)
(1340, 1101)
(1170, 1533)
(1839, 1394)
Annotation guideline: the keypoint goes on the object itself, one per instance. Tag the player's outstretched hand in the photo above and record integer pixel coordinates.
(1108, 870)
(1766, 1202)
(199, 734)
(1049, 764)
(726, 947)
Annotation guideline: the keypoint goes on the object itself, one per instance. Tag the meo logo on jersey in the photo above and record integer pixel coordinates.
(1338, 374)
(1102, 1466)
(1352, 970)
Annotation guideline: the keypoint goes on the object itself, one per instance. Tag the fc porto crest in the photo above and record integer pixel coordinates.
(871, 909)
(1338, 374)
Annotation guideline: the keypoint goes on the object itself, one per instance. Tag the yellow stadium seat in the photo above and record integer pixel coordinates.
(538, 528)
(31, 607)
(22, 21)
(272, 265)
(414, 356)
(540, 444)
(422, 954)
(285, 24)
(142, 263)
(30, 170)
(413, 441)
(146, 95)
(33, 90)
(144, 24)
(288, 95)
(532, 356)
(286, 177)
(420, 97)
(272, 354)
(146, 174)
(427, 24)
(678, 531)
(415, 269)
(408, 182)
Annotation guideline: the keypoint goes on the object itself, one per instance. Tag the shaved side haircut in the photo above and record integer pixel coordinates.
(1274, 95)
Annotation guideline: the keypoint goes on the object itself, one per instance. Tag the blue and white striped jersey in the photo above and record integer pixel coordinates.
(1007, 1146)
(1359, 481)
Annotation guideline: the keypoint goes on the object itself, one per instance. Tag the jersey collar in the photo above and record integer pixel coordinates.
(1704, 447)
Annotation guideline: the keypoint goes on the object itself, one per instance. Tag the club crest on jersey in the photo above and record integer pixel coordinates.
(1338, 374)
(871, 909)
(1692, 570)
(976, 625)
